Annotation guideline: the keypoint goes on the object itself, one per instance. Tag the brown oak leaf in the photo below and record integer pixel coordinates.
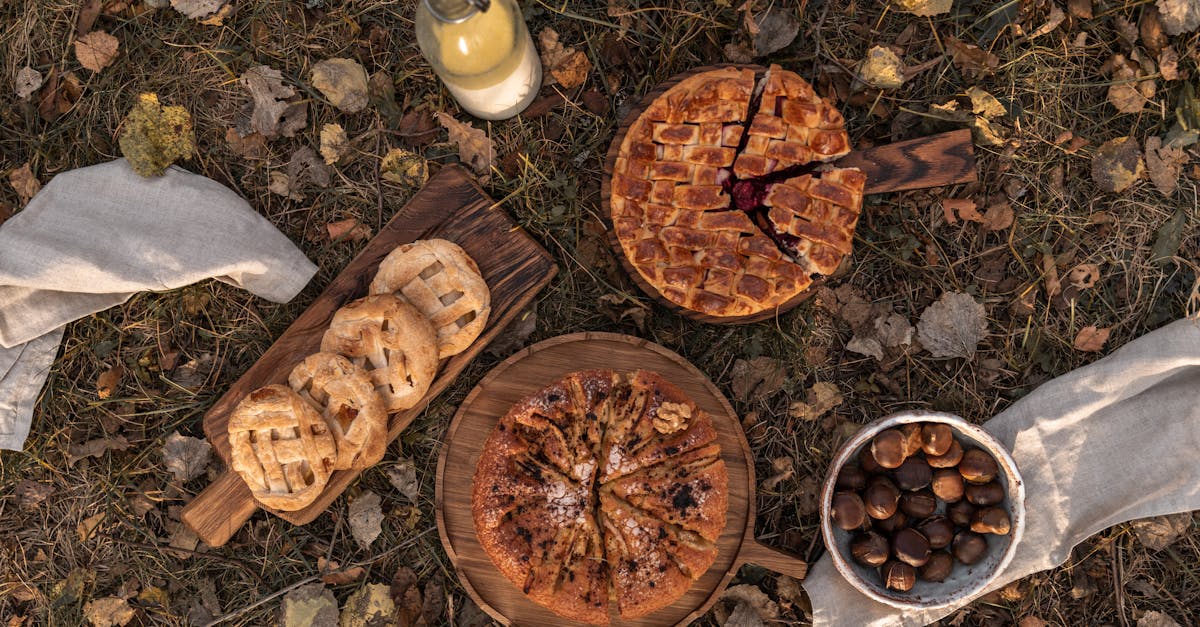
(475, 148)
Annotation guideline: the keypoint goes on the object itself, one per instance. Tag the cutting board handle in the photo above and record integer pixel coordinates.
(220, 509)
(755, 552)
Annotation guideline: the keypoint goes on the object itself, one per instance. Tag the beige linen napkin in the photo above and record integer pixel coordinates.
(1107, 443)
(95, 236)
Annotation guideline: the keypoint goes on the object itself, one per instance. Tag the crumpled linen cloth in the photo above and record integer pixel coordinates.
(95, 236)
(1110, 442)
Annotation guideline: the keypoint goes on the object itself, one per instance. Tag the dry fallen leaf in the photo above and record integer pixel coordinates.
(369, 606)
(434, 607)
(28, 81)
(343, 82)
(965, 208)
(1179, 16)
(1033, 621)
(924, 8)
(59, 94)
(1117, 164)
(867, 346)
(757, 378)
(404, 167)
(782, 469)
(333, 574)
(1127, 93)
(953, 326)
(1080, 8)
(186, 457)
(775, 29)
(752, 606)
(1155, 618)
(1164, 165)
(565, 65)
(475, 148)
(96, 448)
(1168, 238)
(403, 476)
(309, 605)
(971, 60)
(31, 493)
(1084, 275)
(985, 104)
(87, 528)
(109, 381)
(108, 612)
(269, 95)
(153, 136)
(893, 330)
(999, 216)
(366, 518)
(1050, 273)
(407, 597)
(1091, 339)
(820, 398)
(280, 183)
(197, 9)
(349, 230)
(24, 183)
(250, 146)
(1168, 64)
(1053, 21)
(306, 167)
(882, 69)
(334, 143)
(1160, 532)
(96, 50)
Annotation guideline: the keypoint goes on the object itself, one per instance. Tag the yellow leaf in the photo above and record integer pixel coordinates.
(566, 65)
(87, 528)
(404, 167)
(155, 136)
(882, 69)
(334, 143)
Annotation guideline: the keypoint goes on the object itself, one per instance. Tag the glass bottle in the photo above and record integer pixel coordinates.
(483, 53)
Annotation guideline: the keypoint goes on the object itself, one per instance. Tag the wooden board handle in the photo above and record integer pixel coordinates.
(220, 509)
(933, 161)
(755, 552)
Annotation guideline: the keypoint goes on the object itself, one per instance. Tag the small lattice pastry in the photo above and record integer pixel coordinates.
(444, 283)
(717, 198)
(281, 446)
(602, 481)
(350, 404)
(392, 341)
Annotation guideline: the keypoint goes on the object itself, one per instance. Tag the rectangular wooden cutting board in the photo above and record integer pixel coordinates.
(450, 206)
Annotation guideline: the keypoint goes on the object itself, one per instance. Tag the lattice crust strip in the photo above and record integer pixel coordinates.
(281, 447)
(349, 403)
(392, 340)
(444, 284)
(671, 182)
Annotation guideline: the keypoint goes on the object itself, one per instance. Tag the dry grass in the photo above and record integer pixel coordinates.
(906, 257)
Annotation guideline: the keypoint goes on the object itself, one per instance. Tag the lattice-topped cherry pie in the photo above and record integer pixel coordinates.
(716, 194)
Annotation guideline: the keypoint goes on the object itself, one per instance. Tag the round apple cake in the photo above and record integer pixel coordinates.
(602, 488)
(720, 197)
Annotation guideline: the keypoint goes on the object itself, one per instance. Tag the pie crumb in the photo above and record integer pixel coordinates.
(672, 417)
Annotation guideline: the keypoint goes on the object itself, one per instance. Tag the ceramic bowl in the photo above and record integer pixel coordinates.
(965, 581)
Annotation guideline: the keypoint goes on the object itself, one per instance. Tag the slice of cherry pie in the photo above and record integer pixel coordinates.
(716, 197)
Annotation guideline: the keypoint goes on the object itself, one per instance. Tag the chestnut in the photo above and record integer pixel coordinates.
(918, 504)
(990, 493)
(898, 576)
(888, 448)
(969, 547)
(912, 438)
(848, 511)
(881, 498)
(868, 463)
(960, 513)
(852, 478)
(977, 466)
(947, 485)
(938, 567)
(936, 438)
(892, 523)
(913, 474)
(910, 547)
(992, 520)
(949, 459)
(869, 549)
(938, 530)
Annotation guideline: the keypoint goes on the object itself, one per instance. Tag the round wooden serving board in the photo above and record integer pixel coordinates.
(934, 161)
(528, 371)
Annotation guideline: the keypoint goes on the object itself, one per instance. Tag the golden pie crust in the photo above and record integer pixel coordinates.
(444, 283)
(350, 405)
(602, 486)
(393, 341)
(281, 447)
(702, 198)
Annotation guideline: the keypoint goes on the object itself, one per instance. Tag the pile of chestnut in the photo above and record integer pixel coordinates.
(917, 502)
